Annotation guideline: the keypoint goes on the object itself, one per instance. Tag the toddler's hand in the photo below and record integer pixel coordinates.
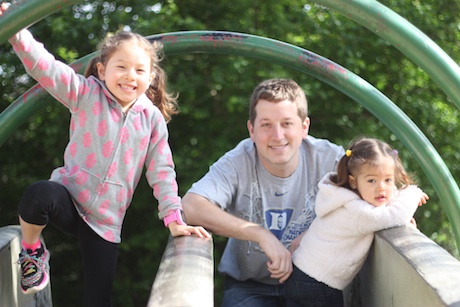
(423, 199)
(296, 242)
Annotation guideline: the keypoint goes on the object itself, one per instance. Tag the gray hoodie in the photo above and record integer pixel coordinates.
(107, 149)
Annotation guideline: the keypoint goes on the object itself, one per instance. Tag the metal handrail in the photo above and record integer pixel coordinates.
(186, 274)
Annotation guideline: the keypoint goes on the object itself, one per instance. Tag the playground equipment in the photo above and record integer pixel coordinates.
(378, 18)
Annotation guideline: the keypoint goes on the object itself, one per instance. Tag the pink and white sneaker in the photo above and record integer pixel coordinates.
(34, 269)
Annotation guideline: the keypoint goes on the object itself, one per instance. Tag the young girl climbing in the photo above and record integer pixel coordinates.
(371, 191)
(119, 111)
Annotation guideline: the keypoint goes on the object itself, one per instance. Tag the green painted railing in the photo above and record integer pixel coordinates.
(24, 13)
(378, 18)
(407, 38)
(215, 42)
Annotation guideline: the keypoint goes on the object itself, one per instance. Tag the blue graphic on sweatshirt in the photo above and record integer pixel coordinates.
(277, 220)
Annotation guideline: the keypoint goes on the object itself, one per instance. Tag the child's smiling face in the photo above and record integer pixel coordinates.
(127, 74)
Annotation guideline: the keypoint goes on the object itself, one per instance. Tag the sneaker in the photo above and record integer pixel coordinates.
(34, 270)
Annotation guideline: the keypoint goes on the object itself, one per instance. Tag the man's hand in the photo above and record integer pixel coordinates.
(224, 224)
(280, 264)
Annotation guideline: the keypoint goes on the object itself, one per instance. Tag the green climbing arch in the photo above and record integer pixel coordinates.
(371, 14)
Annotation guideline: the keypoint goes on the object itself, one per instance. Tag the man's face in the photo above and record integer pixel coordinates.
(278, 132)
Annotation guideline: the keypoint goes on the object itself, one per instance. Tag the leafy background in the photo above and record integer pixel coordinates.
(214, 92)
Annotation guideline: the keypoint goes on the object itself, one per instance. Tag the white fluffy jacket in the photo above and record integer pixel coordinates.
(336, 245)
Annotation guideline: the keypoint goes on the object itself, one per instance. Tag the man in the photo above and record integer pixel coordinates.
(266, 187)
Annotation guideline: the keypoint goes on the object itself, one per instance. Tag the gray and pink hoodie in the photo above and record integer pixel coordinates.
(107, 149)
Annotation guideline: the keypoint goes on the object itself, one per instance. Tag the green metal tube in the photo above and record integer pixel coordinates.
(293, 57)
(407, 38)
(303, 60)
(22, 14)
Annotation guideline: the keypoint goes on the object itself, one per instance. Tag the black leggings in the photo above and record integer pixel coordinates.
(49, 202)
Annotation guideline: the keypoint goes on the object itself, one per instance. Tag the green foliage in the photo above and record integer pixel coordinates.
(214, 92)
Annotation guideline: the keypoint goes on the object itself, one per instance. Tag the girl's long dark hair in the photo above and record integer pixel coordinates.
(157, 91)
